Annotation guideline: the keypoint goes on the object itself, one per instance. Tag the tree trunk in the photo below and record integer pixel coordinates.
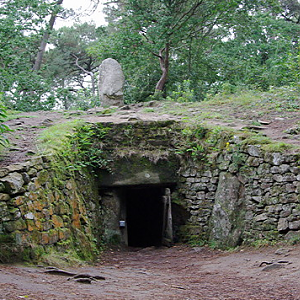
(164, 66)
(39, 57)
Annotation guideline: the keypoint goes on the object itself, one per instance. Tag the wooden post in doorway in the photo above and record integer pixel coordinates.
(167, 229)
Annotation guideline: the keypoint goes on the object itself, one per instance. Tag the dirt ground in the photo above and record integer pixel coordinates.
(179, 272)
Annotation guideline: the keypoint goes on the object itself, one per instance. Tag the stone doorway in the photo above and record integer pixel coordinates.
(147, 215)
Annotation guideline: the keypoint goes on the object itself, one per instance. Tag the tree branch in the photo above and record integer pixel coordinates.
(90, 73)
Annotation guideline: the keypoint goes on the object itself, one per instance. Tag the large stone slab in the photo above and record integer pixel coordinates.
(137, 170)
(227, 220)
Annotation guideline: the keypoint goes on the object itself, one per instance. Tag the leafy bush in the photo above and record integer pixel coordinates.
(3, 128)
(184, 93)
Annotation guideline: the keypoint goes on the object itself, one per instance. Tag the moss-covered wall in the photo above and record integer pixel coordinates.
(229, 189)
(43, 205)
(241, 194)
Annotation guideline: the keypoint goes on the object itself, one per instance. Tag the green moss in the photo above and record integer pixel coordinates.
(43, 177)
(277, 147)
(32, 253)
(255, 139)
(53, 256)
(17, 115)
(148, 110)
(262, 243)
(196, 241)
(107, 111)
(6, 238)
(54, 138)
(9, 251)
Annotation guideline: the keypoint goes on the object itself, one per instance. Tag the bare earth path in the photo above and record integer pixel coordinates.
(179, 272)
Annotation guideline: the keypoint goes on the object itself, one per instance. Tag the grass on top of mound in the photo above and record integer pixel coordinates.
(55, 137)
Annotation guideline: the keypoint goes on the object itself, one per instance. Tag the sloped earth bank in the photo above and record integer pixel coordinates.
(179, 272)
(280, 126)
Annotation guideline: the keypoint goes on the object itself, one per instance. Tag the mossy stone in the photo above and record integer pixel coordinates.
(13, 226)
(43, 177)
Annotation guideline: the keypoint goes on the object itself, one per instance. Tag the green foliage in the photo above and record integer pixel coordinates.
(76, 144)
(6, 244)
(262, 243)
(193, 143)
(183, 93)
(139, 30)
(139, 67)
(285, 98)
(3, 128)
(70, 68)
(195, 241)
(86, 152)
(85, 99)
(258, 53)
(61, 82)
(215, 245)
(218, 137)
(22, 23)
(216, 47)
(294, 240)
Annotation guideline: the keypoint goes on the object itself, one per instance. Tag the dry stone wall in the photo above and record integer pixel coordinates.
(242, 194)
(41, 206)
(233, 193)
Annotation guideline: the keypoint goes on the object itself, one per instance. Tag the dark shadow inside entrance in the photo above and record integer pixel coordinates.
(144, 210)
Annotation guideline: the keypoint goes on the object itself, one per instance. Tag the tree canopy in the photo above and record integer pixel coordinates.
(167, 48)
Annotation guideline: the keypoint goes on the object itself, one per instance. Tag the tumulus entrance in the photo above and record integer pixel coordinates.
(136, 202)
(145, 213)
(141, 216)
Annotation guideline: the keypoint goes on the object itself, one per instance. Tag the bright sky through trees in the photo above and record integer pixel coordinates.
(179, 48)
(84, 7)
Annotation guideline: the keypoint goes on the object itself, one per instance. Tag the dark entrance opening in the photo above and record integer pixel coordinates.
(144, 210)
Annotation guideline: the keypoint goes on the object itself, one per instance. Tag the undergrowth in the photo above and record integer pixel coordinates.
(56, 137)
(75, 144)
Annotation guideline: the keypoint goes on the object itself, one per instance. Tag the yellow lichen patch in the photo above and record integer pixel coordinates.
(57, 221)
(45, 238)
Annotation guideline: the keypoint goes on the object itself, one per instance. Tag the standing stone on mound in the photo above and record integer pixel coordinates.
(111, 82)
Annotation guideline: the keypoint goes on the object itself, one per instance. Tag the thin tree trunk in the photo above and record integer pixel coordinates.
(164, 66)
(42, 48)
(90, 73)
(190, 57)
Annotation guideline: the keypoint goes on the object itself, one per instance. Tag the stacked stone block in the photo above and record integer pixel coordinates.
(270, 192)
(37, 208)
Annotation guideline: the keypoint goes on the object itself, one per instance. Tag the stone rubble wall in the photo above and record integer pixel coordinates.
(37, 208)
(242, 195)
(238, 194)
